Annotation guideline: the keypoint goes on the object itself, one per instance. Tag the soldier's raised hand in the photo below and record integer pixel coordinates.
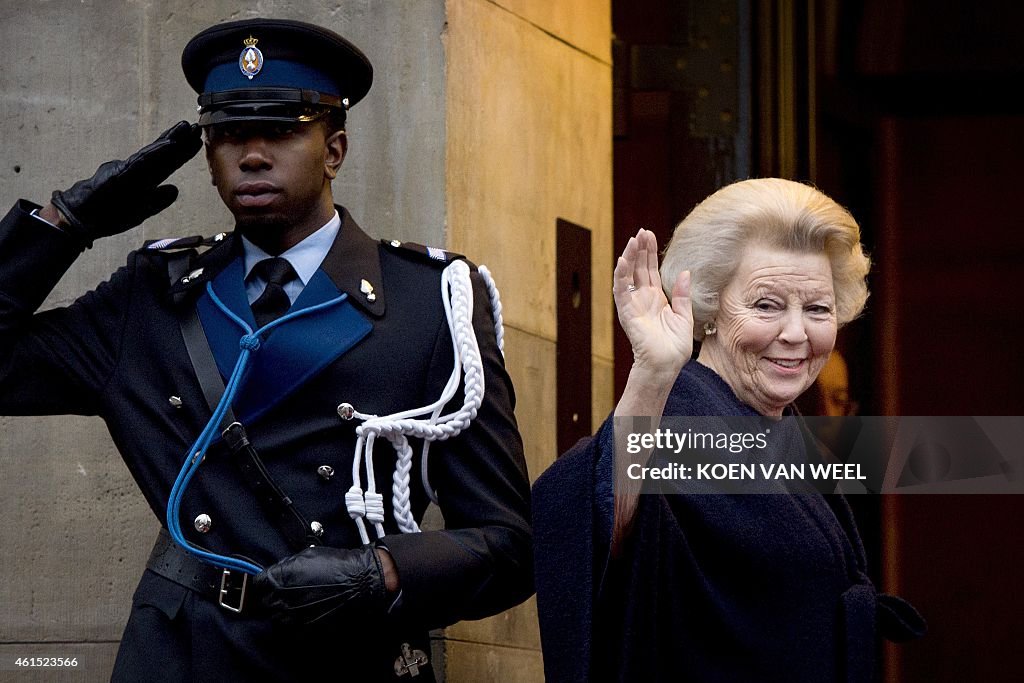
(122, 194)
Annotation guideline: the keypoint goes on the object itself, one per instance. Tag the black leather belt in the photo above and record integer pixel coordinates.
(225, 587)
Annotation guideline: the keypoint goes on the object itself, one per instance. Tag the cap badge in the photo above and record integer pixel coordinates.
(251, 59)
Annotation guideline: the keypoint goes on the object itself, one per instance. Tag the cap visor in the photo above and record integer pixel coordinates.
(255, 111)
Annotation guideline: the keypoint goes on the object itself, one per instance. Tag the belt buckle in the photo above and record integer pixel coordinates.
(228, 587)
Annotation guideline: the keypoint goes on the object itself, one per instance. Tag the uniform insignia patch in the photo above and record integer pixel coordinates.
(191, 276)
(184, 242)
(435, 254)
(410, 661)
(367, 289)
(162, 244)
(251, 59)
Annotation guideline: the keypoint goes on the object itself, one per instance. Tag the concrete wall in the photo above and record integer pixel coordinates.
(486, 121)
(529, 141)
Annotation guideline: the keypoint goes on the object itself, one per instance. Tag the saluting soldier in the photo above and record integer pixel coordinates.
(288, 396)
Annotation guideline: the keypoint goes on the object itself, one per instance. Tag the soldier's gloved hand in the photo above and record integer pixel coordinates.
(122, 194)
(320, 583)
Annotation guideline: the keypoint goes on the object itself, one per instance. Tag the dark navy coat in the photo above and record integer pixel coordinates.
(117, 352)
(709, 587)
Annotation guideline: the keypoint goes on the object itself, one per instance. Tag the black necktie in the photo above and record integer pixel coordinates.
(273, 302)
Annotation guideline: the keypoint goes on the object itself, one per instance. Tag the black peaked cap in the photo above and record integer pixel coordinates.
(213, 56)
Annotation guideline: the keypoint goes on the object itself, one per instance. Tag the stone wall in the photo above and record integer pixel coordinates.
(486, 121)
(529, 141)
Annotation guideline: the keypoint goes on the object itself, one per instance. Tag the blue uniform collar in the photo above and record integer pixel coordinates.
(290, 354)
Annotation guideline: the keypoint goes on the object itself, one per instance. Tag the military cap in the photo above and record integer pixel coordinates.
(273, 70)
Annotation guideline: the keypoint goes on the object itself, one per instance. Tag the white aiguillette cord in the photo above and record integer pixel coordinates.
(425, 423)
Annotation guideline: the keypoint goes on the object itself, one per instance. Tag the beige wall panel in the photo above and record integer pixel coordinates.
(516, 627)
(586, 24)
(476, 663)
(531, 364)
(529, 141)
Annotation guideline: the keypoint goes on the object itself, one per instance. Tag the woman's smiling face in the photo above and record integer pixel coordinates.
(776, 326)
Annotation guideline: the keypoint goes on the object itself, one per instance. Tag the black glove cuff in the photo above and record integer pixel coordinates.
(383, 596)
(76, 228)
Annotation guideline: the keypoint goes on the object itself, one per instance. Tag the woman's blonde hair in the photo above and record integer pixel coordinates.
(773, 212)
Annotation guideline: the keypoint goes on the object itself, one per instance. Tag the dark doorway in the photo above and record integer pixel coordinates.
(911, 114)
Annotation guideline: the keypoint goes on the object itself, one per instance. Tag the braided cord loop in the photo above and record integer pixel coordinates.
(426, 423)
(496, 308)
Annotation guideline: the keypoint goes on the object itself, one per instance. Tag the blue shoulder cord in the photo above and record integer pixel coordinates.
(249, 343)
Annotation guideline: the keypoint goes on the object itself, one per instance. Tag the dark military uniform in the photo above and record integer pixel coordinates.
(118, 352)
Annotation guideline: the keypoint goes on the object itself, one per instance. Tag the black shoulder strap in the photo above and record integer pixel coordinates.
(203, 362)
(195, 341)
(423, 252)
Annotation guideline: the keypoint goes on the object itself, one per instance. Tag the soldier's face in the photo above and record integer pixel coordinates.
(274, 175)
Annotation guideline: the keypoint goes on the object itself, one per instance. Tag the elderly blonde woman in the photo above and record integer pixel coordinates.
(717, 587)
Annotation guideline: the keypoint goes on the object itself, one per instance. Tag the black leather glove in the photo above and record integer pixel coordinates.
(122, 194)
(321, 583)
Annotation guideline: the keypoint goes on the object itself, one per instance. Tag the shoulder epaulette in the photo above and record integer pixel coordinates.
(435, 254)
(184, 242)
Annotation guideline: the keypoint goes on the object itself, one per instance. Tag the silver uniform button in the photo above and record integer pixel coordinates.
(203, 523)
(346, 411)
(318, 529)
(396, 243)
(325, 472)
(175, 401)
